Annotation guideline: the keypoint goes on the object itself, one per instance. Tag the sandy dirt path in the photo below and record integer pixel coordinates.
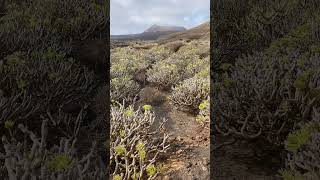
(189, 152)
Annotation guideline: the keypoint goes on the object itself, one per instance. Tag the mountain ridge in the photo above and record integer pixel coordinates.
(161, 28)
(152, 33)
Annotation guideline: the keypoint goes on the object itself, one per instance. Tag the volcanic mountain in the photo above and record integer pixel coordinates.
(152, 33)
(156, 28)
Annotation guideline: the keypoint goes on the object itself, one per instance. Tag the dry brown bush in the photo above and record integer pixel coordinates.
(174, 46)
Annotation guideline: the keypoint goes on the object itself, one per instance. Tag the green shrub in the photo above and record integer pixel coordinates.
(303, 146)
(197, 48)
(164, 74)
(298, 39)
(39, 160)
(41, 85)
(134, 146)
(299, 138)
(262, 97)
(46, 76)
(179, 66)
(190, 93)
(123, 88)
(41, 24)
(204, 112)
(59, 163)
(127, 61)
(155, 54)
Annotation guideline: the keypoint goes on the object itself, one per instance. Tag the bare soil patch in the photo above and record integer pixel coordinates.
(188, 156)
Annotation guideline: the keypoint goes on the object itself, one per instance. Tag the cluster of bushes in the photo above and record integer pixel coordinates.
(181, 65)
(135, 146)
(188, 94)
(164, 69)
(127, 70)
(126, 61)
(47, 106)
(35, 158)
(186, 74)
(241, 27)
(37, 25)
(267, 97)
(267, 78)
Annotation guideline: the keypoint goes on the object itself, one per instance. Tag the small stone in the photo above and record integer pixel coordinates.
(206, 161)
(179, 138)
(166, 178)
(189, 164)
(204, 168)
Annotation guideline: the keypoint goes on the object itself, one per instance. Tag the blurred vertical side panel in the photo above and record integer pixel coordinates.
(212, 120)
(107, 106)
(265, 82)
(54, 89)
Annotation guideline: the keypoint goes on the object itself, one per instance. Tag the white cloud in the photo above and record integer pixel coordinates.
(136, 19)
(124, 3)
(134, 16)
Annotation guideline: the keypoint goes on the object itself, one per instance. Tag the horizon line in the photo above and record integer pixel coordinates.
(163, 25)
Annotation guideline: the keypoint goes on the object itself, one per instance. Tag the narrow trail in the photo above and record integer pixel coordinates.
(189, 152)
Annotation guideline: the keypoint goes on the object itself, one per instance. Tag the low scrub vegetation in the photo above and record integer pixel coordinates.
(266, 83)
(182, 74)
(47, 97)
(134, 146)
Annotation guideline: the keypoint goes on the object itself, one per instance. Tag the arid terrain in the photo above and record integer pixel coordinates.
(187, 156)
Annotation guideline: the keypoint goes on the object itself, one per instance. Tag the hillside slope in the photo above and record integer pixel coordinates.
(200, 32)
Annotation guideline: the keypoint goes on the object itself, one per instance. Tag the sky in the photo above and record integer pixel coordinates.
(135, 16)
